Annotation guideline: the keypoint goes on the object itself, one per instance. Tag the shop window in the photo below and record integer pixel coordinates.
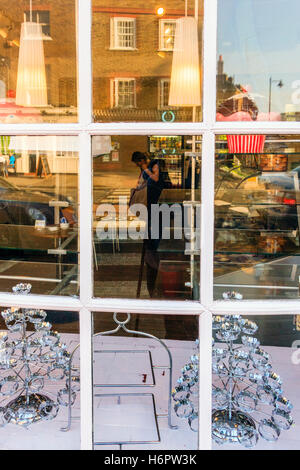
(150, 38)
(123, 33)
(167, 34)
(42, 17)
(144, 407)
(35, 398)
(34, 57)
(147, 245)
(39, 213)
(257, 216)
(123, 93)
(137, 253)
(255, 367)
(164, 90)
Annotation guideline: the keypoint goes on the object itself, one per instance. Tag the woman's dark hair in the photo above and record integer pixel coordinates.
(138, 157)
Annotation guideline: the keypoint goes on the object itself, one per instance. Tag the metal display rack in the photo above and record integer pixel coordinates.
(121, 325)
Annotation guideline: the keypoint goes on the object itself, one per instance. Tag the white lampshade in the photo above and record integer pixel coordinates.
(31, 80)
(185, 77)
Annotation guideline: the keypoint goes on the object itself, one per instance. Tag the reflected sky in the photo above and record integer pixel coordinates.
(260, 39)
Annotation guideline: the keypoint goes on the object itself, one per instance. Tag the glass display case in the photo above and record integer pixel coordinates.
(257, 221)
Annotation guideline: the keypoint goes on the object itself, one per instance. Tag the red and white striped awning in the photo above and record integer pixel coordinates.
(246, 143)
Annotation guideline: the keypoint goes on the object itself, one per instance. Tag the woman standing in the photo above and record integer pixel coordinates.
(154, 174)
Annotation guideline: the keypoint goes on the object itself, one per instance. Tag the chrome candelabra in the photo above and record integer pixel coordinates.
(31, 357)
(248, 400)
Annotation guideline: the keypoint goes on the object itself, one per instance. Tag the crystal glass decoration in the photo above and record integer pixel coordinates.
(32, 356)
(248, 400)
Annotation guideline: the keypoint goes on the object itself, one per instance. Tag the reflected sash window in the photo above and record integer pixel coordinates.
(123, 93)
(123, 33)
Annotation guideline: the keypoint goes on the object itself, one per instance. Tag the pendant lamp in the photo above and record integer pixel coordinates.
(185, 76)
(31, 78)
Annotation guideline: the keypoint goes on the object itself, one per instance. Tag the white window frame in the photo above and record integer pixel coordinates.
(114, 92)
(162, 23)
(114, 35)
(86, 303)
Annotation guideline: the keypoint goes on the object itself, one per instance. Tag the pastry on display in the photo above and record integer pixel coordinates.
(273, 162)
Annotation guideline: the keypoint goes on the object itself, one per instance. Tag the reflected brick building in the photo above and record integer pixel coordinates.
(59, 40)
(132, 53)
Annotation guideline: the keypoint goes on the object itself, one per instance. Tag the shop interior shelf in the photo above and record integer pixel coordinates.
(27, 237)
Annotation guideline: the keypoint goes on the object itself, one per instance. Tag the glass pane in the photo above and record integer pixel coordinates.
(256, 382)
(146, 231)
(39, 213)
(147, 61)
(38, 62)
(138, 399)
(35, 348)
(257, 69)
(257, 209)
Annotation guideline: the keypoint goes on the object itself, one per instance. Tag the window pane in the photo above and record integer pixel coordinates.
(134, 47)
(39, 213)
(34, 377)
(38, 62)
(132, 384)
(146, 231)
(256, 383)
(258, 70)
(124, 33)
(168, 28)
(257, 217)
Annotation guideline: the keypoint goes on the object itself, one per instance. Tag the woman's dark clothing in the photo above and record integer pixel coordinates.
(154, 189)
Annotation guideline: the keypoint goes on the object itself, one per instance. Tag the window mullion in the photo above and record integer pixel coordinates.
(207, 219)
(86, 380)
(39, 129)
(257, 307)
(207, 172)
(84, 21)
(86, 215)
(51, 302)
(262, 127)
(85, 168)
(205, 380)
(145, 128)
(152, 307)
(209, 62)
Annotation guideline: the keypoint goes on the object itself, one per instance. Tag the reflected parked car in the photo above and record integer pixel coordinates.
(25, 206)
(272, 204)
